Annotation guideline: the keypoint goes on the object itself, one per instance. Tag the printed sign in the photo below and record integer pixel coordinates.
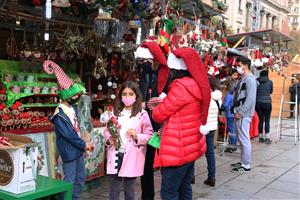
(6, 168)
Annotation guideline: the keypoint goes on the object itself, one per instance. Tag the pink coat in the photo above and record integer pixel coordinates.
(135, 151)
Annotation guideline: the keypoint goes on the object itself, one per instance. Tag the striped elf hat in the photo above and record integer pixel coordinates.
(69, 88)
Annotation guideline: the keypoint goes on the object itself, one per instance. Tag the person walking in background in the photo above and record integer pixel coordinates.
(126, 157)
(263, 106)
(211, 126)
(227, 107)
(184, 109)
(244, 107)
(294, 87)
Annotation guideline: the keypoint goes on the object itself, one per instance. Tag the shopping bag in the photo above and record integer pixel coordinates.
(155, 140)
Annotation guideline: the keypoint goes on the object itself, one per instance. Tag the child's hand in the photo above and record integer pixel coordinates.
(132, 133)
(89, 146)
(112, 141)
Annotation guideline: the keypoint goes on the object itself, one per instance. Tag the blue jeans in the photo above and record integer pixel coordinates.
(231, 129)
(74, 172)
(176, 182)
(210, 155)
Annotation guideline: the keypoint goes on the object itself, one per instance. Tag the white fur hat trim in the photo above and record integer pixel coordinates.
(176, 63)
(142, 52)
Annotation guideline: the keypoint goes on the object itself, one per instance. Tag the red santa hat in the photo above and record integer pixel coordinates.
(189, 59)
(151, 50)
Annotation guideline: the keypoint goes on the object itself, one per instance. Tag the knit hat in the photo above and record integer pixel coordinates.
(189, 59)
(69, 89)
(151, 50)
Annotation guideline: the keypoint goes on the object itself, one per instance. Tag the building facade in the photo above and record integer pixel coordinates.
(271, 14)
(294, 15)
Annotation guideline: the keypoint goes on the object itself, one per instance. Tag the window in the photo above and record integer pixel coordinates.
(297, 1)
(290, 1)
(238, 30)
(295, 19)
(296, 9)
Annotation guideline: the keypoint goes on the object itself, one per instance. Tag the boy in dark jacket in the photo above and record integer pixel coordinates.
(68, 141)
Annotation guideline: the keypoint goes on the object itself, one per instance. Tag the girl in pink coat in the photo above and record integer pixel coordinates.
(127, 162)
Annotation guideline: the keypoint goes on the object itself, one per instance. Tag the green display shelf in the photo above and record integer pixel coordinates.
(45, 187)
(39, 105)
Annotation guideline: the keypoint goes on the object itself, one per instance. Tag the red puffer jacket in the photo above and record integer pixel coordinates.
(181, 141)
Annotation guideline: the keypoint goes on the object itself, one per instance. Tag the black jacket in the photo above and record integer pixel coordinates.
(293, 91)
(148, 86)
(264, 90)
(70, 146)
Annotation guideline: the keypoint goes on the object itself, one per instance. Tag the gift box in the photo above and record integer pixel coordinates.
(18, 164)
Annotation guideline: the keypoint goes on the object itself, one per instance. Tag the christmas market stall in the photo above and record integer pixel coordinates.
(93, 43)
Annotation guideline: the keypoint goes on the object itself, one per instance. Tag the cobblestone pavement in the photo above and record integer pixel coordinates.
(274, 174)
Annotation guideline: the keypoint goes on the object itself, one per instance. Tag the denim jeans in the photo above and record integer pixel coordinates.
(74, 172)
(210, 155)
(176, 182)
(231, 129)
(115, 183)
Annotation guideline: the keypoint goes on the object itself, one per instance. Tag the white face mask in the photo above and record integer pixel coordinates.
(240, 71)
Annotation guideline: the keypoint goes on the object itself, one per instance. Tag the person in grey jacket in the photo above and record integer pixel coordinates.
(244, 107)
(264, 105)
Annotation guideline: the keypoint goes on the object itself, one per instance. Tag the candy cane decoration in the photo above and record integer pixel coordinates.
(51, 67)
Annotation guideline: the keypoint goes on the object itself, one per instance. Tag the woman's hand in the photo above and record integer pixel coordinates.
(132, 133)
(204, 130)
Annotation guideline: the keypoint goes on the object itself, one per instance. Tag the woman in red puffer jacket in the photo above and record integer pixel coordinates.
(184, 109)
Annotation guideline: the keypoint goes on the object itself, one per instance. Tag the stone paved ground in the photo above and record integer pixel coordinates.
(274, 175)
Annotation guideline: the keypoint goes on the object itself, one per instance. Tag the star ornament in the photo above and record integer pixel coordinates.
(71, 42)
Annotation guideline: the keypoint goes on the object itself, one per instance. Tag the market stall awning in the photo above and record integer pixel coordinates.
(295, 64)
(257, 37)
(235, 52)
(189, 5)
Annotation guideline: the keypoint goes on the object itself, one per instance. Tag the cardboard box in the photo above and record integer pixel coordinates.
(18, 164)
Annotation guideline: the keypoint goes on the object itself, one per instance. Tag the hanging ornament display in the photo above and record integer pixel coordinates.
(113, 97)
(11, 46)
(70, 42)
(61, 3)
(137, 9)
(109, 83)
(153, 8)
(99, 87)
(108, 29)
(100, 67)
(25, 48)
(37, 54)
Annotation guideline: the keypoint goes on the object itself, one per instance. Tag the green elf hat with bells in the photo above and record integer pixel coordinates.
(69, 88)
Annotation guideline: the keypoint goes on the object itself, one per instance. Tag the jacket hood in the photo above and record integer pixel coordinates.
(263, 79)
(191, 86)
(216, 95)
